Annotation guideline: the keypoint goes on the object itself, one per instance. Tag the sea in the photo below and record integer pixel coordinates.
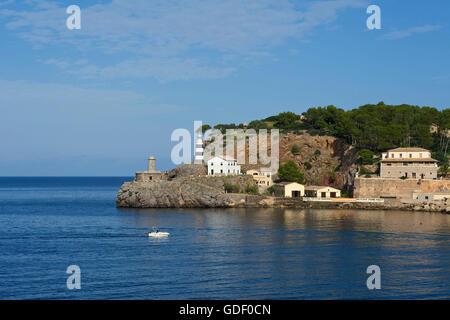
(50, 224)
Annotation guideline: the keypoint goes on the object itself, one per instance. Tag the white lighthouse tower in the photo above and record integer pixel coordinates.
(199, 149)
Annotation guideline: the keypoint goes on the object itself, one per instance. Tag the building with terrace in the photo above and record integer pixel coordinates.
(413, 163)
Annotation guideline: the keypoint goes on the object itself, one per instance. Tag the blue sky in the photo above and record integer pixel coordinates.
(100, 100)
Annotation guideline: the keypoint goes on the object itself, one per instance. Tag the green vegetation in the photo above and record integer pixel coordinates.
(364, 171)
(333, 177)
(285, 121)
(317, 153)
(252, 189)
(258, 125)
(269, 191)
(379, 127)
(366, 156)
(223, 127)
(444, 170)
(370, 128)
(205, 127)
(295, 149)
(307, 165)
(231, 188)
(290, 172)
(345, 194)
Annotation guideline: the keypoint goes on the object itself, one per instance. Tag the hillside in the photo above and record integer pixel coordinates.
(339, 135)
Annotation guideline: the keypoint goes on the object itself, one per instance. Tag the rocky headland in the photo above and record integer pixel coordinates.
(185, 190)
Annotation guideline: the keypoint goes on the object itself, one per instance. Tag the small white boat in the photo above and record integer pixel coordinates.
(158, 234)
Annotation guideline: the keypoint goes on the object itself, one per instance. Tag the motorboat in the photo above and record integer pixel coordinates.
(158, 234)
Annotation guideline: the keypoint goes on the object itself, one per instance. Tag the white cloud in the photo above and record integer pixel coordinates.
(399, 34)
(189, 38)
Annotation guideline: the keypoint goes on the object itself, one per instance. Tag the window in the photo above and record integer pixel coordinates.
(392, 155)
(400, 155)
(420, 155)
(410, 155)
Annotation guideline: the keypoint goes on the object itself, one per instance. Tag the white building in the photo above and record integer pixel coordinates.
(223, 166)
(289, 189)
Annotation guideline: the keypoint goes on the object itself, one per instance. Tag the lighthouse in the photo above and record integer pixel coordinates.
(199, 149)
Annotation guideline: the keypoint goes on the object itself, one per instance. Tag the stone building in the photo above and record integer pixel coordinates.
(414, 163)
(289, 189)
(151, 174)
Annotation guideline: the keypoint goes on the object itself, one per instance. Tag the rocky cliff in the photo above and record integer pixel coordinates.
(324, 160)
(184, 191)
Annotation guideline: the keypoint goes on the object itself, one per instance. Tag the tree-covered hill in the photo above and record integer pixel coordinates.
(375, 127)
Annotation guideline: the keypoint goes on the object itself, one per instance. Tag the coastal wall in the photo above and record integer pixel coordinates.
(377, 187)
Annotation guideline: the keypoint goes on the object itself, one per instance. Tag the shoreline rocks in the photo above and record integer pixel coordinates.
(208, 192)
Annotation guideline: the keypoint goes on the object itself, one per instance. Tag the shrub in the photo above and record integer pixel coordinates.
(231, 188)
(290, 172)
(317, 153)
(295, 149)
(252, 189)
(363, 171)
(307, 165)
(269, 191)
(333, 177)
(366, 156)
(345, 194)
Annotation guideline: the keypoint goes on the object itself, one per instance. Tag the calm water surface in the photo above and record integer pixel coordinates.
(47, 224)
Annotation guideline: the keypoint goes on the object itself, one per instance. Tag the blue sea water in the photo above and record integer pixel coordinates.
(47, 224)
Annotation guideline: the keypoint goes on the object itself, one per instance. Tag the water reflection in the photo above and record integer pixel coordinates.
(309, 253)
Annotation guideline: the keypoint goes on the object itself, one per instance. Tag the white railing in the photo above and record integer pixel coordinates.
(377, 200)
